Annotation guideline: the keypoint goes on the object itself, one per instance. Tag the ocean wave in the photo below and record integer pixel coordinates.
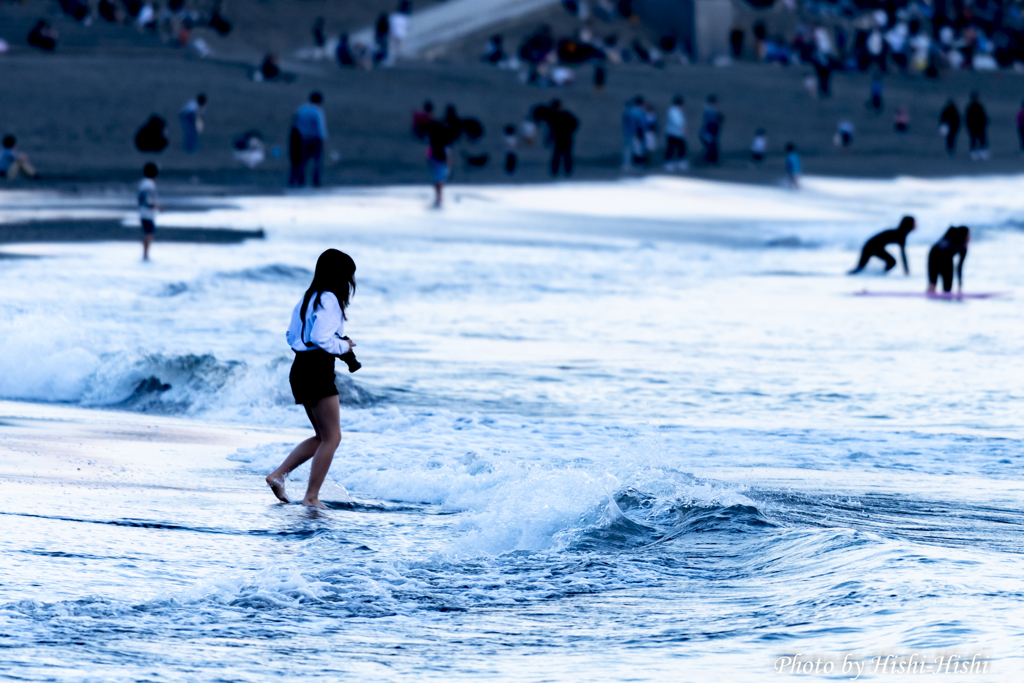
(273, 272)
(200, 385)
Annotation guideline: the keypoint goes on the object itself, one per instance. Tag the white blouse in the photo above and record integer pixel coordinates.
(325, 326)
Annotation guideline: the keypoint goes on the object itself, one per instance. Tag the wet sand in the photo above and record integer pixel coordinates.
(70, 230)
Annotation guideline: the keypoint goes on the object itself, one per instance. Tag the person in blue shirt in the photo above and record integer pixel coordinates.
(792, 165)
(13, 161)
(309, 131)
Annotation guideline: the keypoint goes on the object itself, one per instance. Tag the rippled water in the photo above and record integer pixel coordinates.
(631, 431)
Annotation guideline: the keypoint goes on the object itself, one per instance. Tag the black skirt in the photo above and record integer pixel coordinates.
(312, 376)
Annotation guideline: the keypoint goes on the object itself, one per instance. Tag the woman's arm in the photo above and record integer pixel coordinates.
(960, 270)
(329, 326)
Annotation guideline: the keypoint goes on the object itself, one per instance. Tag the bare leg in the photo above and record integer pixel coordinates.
(326, 413)
(437, 195)
(146, 241)
(300, 454)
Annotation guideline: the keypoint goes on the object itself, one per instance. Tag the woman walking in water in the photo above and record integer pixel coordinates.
(317, 335)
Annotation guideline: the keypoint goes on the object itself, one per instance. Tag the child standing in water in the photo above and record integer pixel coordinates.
(317, 336)
(148, 207)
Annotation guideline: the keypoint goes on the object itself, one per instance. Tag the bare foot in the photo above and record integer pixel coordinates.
(313, 503)
(277, 486)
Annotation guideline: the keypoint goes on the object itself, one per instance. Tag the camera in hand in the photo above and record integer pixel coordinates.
(350, 358)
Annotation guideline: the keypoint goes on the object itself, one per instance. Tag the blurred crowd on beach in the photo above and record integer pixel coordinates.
(580, 48)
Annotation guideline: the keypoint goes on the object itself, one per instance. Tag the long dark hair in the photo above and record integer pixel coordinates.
(335, 273)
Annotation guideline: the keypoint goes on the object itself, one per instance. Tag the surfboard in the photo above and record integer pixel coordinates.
(946, 296)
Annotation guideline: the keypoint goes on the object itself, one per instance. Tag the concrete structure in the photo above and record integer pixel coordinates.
(702, 26)
(434, 27)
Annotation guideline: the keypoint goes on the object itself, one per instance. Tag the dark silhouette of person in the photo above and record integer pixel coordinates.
(563, 125)
(736, 42)
(940, 259)
(152, 136)
(217, 22)
(310, 123)
(537, 46)
(296, 176)
(319, 39)
(976, 120)
(823, 67)
(711, 130)
(421, 118)
(1020, 126)
(381, 31)
(43, 36)
(269, 68)
(344, 52)
(876, 246)
(75, 9)
(440, 136)
(949, 121)
(108, 10)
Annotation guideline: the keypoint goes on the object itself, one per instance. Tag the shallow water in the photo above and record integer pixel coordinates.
(625, 431)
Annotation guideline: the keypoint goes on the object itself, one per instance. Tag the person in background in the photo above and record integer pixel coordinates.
(711, 130)
(13, 162)
(421, 118)
(976, 120)
(563, 125)
(759, 146)
(875, 102)
(296, 175)
(152, 135)
(949, 125)
(675, 136)
(381, 34)
(344, 52)
(319, 39)
(439, 138)
(316, 334)
(148, 207)
(633, 118)
(43, 36)
(269, 68)
(511, 143)
(901, 120)
(650, 145)
(844, 134)
(310, 123)
(793, 168)
(1020, 126)
(940, 259)
(494, 50)
(399, 25)
(876, 246)
(192, 122)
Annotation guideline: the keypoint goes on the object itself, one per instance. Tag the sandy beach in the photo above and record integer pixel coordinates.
(77, 115)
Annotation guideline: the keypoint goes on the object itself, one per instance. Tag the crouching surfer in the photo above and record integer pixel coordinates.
(876, 246)
(940, 259)
(317, 335)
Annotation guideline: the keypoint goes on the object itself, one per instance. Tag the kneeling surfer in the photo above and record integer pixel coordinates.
(876, 246)
(317, 336)
(940, 259)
